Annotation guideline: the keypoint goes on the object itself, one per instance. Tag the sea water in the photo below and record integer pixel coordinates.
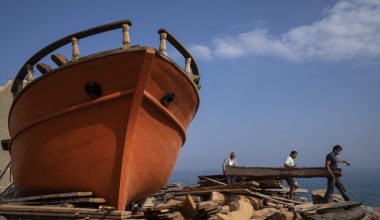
(362, 184)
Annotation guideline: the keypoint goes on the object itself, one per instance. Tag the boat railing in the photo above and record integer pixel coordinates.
(189, 60)
(27, 70)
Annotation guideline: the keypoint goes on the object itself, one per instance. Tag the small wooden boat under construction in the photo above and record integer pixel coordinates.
(279, 173)
(111, 123)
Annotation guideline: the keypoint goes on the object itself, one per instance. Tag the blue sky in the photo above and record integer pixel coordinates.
(276, 75)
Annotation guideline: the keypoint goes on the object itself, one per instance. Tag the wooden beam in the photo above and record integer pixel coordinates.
(280, 173)
(41, 212)
(215, 181)
(50, 196)
(283, 190)
(62, 201)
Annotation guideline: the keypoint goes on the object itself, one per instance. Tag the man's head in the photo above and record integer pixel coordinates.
(293, 154)
(233, 155)
(337, 149)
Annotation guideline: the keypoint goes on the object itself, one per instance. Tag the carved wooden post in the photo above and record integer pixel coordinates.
(187, 65)
(29, 76)
(163, 43)
(126, 38)
(19, 87)
(76, 54)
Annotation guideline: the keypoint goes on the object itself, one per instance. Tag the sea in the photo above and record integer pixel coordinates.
(362, 184)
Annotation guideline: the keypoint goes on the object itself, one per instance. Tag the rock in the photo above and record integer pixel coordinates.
(256, 203)
(370, 216)
(217, 197)
(244, 212)
(283, 216)
(370, 213)
(376, 210)
(318, 196)
(262, 214)
(235, 205)
(355, 213)
(224, 209)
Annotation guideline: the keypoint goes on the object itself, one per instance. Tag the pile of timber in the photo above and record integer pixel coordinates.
(75, 205)
(247, 198)
(211, 198)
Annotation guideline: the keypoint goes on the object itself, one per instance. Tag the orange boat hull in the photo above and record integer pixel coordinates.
(122, 145)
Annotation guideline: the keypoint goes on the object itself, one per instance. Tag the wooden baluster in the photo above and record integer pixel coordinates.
(126, 38)
(29, 76)
(163, 43)
(76, 54)
(20, 86)
(187, 65)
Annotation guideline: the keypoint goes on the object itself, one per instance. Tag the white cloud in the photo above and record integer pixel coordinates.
(201, 51)
(255, 42)
(351, 29)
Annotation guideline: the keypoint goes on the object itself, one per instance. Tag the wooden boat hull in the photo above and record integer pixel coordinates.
(122, 145)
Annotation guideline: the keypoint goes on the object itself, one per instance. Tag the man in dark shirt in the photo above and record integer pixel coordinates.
(332, 163)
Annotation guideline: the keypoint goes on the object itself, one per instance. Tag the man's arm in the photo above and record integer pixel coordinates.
(225, 163)
(343, 161)
(234, 162)
(327, 165)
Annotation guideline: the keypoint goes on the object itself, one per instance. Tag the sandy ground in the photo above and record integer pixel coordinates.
(5, 104)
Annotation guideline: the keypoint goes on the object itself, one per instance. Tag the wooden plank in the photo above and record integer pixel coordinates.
(215, 181)
(208, 190)
(275, 198)
(284, 190)
(59, 201)
(25, 210)
(280, 173)
(49, 196)
(55, 215)
(189, 209)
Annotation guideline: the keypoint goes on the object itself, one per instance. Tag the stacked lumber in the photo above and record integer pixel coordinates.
(84, 198)
(63, 206)
(215, 201)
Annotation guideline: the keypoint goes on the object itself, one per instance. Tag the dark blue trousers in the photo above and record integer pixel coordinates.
(330, 189)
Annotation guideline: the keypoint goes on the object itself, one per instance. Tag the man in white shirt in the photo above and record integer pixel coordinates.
(230, 161)
(292, 182)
